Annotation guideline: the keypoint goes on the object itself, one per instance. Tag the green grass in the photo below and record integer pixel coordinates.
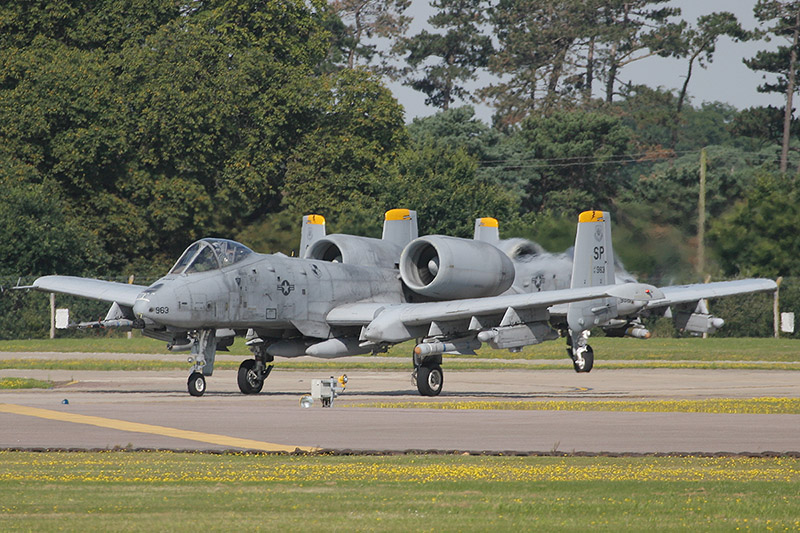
(175, 363)
(687, 349)
(139, 491)
(761, 406)
(103, 344)
(24, 383)
(690, 353)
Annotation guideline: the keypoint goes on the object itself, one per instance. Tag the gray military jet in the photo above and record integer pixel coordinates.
(351, 295)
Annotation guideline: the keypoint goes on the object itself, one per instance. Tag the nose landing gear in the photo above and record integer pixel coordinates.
(204, 349)
(580, 352)
(196, 384)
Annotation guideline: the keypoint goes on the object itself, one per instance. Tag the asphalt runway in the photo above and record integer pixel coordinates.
(107, 410)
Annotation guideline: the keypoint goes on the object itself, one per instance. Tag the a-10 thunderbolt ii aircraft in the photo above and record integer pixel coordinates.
(349, 295)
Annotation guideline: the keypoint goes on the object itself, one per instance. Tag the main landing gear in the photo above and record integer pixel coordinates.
(580, 352)
(253, 372)
(428, 375)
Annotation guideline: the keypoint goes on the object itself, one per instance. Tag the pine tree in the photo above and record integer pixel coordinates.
(784, 18)
(440, 63)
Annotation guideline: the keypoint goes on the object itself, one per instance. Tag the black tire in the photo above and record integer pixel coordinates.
(588, 361)
(248, 380)
(430, 380)
(196, 384)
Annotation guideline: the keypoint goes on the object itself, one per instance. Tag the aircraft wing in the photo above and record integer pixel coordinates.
(391, 323)
(678, 294)
(106, 291)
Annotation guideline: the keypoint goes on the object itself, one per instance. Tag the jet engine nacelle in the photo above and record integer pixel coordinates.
(354, 250)
(442, 267)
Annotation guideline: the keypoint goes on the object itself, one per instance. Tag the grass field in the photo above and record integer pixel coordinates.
(685, 349)
(713, 353)
(24, 383)
(138, 491)
(755, 406)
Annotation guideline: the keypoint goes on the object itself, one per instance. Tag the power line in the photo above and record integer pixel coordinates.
(642, 157)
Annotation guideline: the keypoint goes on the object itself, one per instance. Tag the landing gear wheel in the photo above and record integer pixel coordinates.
(430, 380)
(197, 384)
(587, 363)
(248, 380)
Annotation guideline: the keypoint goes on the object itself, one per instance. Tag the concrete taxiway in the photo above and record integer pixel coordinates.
(153, 410)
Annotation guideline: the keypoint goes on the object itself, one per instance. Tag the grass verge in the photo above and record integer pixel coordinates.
(138, 491)
(377, 363)
(673, 350)
(761, 406)
(24, 383)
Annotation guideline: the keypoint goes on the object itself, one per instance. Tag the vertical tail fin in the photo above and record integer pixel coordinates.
(487, 230)
(313, 230)
(400, 226)
(592, 265)
(593, 261)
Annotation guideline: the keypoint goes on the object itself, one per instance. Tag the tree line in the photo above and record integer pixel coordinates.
(130, 129)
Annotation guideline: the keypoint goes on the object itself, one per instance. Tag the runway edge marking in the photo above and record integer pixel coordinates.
(122, 425)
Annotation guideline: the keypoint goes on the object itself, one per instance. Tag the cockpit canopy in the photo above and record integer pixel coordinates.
(210, 254)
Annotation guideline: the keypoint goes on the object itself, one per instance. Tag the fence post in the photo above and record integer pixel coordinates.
(130, 282)
(776, 309)
(52, 315)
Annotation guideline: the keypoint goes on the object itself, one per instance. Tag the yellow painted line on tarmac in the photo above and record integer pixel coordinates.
(122, 425)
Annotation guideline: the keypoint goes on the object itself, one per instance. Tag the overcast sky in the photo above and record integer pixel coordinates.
(727, 79)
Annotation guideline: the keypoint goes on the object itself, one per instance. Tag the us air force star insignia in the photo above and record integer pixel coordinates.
(598, 233)
(285, 287)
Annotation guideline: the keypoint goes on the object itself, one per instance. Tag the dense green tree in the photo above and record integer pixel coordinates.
(341, 165)
(37, 235)
(762, 124)
(442, 185)
(671, 189)
(183, 126)
(650, 115)
(705, 125)
(573, 159)
(449, 56)
(456, 128)
(758, 236)
(107, 25)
